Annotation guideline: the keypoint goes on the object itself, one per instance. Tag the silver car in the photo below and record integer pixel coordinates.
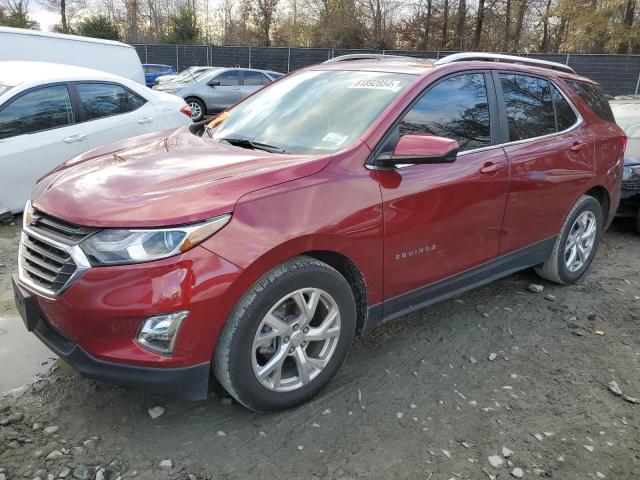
(215, 90)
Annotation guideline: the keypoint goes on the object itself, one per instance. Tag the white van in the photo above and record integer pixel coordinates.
(105, 55)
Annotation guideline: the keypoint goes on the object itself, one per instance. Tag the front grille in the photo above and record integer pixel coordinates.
(59, 230)
(631, 185)
(44, 264)
(49, 256)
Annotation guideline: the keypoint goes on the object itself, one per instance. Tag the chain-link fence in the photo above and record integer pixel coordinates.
(618, 74)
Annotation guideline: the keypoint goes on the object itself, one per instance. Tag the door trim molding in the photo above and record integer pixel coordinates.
(422, 297)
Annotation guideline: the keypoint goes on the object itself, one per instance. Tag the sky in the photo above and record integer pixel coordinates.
(45, 18)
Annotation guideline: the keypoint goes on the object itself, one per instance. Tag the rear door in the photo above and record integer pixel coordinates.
(252, 81)
(225, 93)
(112, 112)
(443, 219)
(550, 150)
(38, 132)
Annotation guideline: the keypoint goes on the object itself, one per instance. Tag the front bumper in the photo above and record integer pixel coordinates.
(190, 382)
(93, 325)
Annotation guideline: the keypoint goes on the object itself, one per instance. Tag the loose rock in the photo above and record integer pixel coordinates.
(517, 472)
(496, 461)
(492, 356)
(155, 412)
(535, 288)
(166, 464)
(506, 453)
(50, 430)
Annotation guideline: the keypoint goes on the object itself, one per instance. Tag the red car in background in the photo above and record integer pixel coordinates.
(339, 198)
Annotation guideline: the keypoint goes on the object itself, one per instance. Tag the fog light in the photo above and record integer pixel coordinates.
(159, 333)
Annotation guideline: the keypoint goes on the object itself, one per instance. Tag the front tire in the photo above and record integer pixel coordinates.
(287, 337)
(198, 108)
(576, 244)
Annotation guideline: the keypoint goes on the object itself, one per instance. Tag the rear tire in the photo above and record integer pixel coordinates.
(198, 108)
(287, 337)
(576, 244)
(638, 221)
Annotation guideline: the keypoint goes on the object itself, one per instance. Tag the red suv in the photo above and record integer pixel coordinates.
(341, 197)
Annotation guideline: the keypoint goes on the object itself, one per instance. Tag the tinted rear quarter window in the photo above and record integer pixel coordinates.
(529, 106)
(594, 98)
(565, 115)
(38, 110)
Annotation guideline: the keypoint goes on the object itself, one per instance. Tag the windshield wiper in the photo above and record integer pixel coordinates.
(246, 143)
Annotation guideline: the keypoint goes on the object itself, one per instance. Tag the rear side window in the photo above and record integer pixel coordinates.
(593, 96)
(565, 116)
(38, 110)
(455, 108)
(529, 106)
(105, 99)
(254, 78)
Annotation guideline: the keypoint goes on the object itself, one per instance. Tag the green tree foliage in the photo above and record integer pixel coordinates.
(98, 26)
(182, 26)
(15, 13)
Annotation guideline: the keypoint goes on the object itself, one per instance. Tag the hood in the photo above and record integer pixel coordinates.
(167, 178)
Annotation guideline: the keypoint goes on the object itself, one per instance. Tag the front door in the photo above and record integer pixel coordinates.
(442, 219)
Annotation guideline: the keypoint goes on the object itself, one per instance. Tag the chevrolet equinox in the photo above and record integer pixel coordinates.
(338, 198)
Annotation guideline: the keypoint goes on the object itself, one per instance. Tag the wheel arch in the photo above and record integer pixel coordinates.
(601, 194)
(352, 275)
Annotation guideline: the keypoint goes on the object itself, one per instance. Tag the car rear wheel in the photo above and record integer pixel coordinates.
(287, 337)
(576, 244)
(198, 108)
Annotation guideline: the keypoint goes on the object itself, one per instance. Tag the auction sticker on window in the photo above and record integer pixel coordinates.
(377, 84)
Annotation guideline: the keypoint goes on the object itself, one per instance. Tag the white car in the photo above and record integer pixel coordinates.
(50, 113)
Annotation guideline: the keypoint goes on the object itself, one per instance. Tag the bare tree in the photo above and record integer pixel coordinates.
(477, 34)
(67, 9)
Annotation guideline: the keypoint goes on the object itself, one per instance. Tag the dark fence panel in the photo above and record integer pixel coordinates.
(618, 74)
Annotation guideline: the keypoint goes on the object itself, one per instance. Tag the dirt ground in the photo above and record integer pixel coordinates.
(423, 398)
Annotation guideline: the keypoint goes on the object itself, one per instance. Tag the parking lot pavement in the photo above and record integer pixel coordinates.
(498, 379)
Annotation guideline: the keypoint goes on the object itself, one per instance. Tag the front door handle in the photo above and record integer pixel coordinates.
(491, 167)
(145, 120)
(75, 138)
(577, 146)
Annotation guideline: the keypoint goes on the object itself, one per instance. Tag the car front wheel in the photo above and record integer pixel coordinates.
(198, 109)
(287, 337)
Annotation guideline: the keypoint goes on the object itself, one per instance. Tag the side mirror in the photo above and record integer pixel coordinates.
(214, 83)
(420, 148)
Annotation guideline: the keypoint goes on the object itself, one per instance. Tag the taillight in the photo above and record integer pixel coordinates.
(623, 142)
(186, 110)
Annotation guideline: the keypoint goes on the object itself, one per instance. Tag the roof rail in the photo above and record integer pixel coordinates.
(497, 57)
(367, 56)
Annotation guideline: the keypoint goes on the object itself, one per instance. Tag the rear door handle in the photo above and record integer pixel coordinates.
(75, 138)
(576, 147)
(145, 120)
(491, 167)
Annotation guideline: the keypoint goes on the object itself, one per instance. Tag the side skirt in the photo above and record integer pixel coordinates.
(422, 297)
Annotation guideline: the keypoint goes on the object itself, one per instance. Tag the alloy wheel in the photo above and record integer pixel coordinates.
(581, 240)
(196, 111)
(296, 340)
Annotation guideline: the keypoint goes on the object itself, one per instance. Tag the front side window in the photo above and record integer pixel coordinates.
(455, 108)
(529, 106)
(312, 111)
(38, 110)
(106, 99)
(254, 78)
(230, 78)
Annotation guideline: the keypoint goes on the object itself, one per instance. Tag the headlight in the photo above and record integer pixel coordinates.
(629, 172)
(122, 246)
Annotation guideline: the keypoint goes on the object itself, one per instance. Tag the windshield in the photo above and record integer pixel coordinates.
(4, 88)
(312, 111)
(628, 117)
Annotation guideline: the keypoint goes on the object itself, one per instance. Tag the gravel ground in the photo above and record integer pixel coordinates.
(499, 383)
